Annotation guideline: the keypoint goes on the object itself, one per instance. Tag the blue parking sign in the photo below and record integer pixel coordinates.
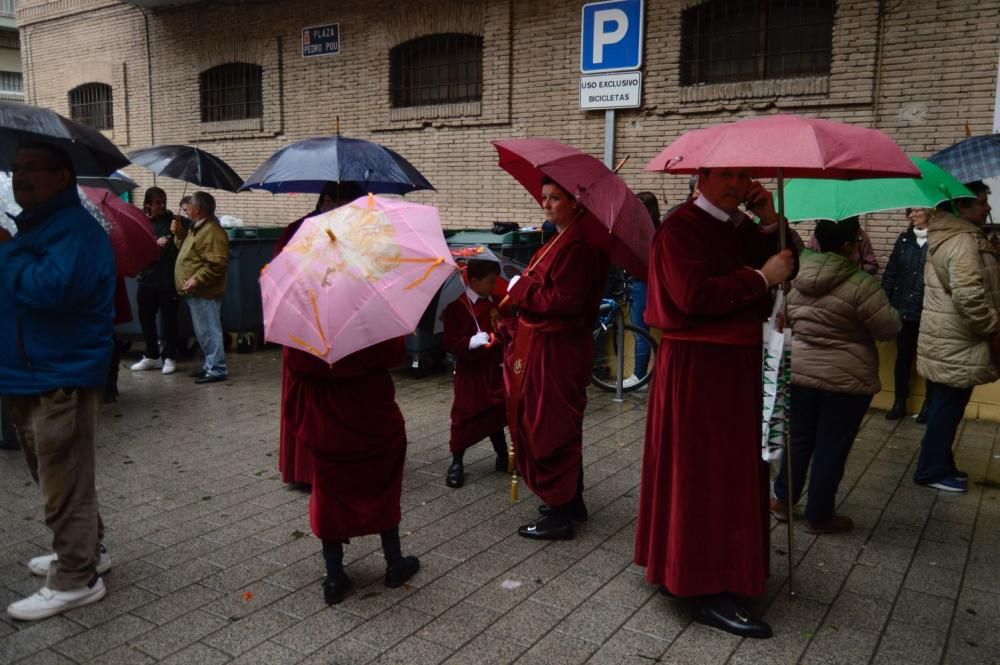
(611, 36)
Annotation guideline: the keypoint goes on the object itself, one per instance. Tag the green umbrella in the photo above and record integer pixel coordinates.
(808, 199)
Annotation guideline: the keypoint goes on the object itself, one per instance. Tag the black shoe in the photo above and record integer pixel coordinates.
(336, 588)
(551, 527)
(396, 576)
(578, 511)
(456, 475)
(724, 612)
(897, 411)
(197, 374)
(501, 464)
(922, 416)
(210, 378)
(666, 592)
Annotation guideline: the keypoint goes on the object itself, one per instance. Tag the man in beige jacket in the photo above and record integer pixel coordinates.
(200, 276)
(956, 350)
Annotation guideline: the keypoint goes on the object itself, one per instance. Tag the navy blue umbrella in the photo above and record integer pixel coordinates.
(306, 166)
(975, 158)
(189, 164)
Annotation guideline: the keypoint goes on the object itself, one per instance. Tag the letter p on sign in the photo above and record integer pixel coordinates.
(611, 36)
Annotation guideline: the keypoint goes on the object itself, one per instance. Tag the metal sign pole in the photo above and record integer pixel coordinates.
(609, 161)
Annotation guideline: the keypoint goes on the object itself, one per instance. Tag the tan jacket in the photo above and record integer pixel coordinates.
(837, 312)
(204, 255)
(961, 301)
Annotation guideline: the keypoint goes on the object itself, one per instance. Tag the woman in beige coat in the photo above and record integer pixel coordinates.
(958, 340)
(837, 312)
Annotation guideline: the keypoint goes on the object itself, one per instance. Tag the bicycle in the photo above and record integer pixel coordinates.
(611, 316)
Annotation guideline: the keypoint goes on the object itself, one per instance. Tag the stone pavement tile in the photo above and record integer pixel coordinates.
(602, 563)
(168, 557)
(36, 637)
(390, 627)
(125, 573)
(124, 655)
(344, 651)
(568, 590)
(840, 646)
(370, 601)
(894, 533)
(526, 623)
(285, 555)
(303, 573)
(504, 592)
(46, 657)
(459, 625)
(177, 603)
(487, 650)
(851, 610)
(903, 512)
(820, 584)
(120, 630)
(439, 595)
(243, 602)
(982, 605)
(974, 639)
(250, 631)
(794, 621)
(118, 602)
(519, 548)
(944, 555)
(627, 647)
(889, 557)
(934, 580)
(178, 577)
(316, 631)
(701, 644)
(595, 621)
(833, 554)
(661, 618)
(921, 609)
(229, 555)
(241, 575)
(267, 653)
(626, 590)
(179, 633)
(950, 511)
(198, 654)
(481, 567)
(558, 649)
(544, 565)
(903, 642)
(414, 651)
(302, 603)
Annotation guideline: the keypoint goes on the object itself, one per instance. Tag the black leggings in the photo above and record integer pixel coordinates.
(906, 351)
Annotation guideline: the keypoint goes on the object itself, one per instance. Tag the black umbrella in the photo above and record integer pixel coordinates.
(306, 166)
(92, 153)
(117, 182)
(193, 165)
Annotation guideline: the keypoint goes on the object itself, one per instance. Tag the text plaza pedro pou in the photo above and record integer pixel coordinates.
(615, 90)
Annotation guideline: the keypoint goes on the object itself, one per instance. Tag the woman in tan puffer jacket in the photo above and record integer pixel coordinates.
(958, 331)
(837, 312)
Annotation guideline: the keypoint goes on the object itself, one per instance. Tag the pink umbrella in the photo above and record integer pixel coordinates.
(132, 238)
(617, 221)
(788, 145)
(355, 276)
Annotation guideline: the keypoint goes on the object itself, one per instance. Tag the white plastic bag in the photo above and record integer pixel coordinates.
(777, 365)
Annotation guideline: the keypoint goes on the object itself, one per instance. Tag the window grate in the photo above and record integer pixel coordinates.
(92, 104)
(232, 91)
(12, 82)
(445, 68)
(745, 40)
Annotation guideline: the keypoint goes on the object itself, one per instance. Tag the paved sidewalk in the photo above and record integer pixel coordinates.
(214, 561)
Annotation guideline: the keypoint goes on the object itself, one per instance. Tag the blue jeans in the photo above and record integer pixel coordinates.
(207, 325)
(945, 411)
(824, 425)
(642, 347)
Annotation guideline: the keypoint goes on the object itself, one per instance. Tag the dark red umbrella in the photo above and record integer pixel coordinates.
(617, 221)
(131, 235)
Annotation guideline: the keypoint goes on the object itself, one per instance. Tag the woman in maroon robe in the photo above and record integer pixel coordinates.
(480, 406)
(548, 365)
(294, 463)
(703, 507)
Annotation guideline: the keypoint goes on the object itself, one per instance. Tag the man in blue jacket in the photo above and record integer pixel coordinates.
(57, 282)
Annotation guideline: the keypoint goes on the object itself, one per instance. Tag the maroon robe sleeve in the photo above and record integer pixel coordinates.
(565, 288)
(458, 330)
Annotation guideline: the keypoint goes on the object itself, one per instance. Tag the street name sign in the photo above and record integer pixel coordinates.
(321, 40)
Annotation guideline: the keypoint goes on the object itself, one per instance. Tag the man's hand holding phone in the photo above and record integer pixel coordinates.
(760, 202)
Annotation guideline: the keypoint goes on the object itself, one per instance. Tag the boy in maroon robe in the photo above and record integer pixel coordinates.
(356, 438)
(703, 507)
(548, 365)
(480, 407)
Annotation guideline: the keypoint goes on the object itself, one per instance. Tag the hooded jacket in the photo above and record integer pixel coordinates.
(837, 312)
(961, 304)
(57, 285)
(903, 280)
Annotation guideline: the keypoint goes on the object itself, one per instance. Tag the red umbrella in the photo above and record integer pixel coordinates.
(132, 236)
(617, 221)
(788, 145)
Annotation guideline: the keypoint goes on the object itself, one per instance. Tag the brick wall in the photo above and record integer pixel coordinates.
(937, 76)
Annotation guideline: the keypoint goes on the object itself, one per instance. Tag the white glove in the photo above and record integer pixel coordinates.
(478, 340)
(512, 282)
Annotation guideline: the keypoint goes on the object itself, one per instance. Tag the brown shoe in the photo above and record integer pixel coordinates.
(779, 510)
(836, 524)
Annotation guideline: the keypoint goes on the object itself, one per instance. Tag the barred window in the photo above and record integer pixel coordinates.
(746, 40)
(232, 91)
(445, 68)
(11, 82)
(92, 104)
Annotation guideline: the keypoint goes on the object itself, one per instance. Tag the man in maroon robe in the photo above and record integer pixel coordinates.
(480, 406)
(548, 365)
(703, 511)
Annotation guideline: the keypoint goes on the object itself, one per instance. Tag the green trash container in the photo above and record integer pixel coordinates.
(518, 246)
(250, 249)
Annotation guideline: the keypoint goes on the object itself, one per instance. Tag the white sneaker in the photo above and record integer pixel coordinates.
(169, 366)
(40, 564)
(630, 381)
(46, 602)
(147, 363)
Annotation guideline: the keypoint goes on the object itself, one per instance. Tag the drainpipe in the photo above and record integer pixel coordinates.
(877, 86)
(149, 82)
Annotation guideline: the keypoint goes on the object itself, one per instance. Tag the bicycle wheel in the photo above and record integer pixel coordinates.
(606, 353)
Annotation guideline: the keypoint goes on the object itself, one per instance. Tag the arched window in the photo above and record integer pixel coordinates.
(231, 92)
(92, 104)
(746, 40)
(445, 68)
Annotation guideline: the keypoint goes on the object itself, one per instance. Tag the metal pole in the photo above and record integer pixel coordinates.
(609, 161)
(783, 241)
(609, 138)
